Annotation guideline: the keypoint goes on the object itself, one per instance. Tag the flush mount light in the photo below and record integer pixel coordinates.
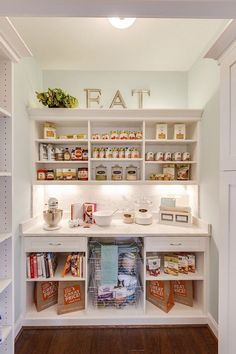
(121, 23)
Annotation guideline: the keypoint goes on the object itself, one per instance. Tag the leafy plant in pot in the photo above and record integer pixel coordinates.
(57, 98)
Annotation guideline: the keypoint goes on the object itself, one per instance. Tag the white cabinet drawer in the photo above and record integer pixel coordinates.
(173, 244)
(55, 244)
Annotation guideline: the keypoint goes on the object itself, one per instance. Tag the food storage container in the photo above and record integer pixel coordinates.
(177, 156)
(101, 173)
(149, 156)
(139, 135)
(167, 156)
(186, 156)
(127, 153)
(121, 153)
(41, 175)
(117, 173)
(159, 156)
(131, 173)
(50, 175)
(83, 173)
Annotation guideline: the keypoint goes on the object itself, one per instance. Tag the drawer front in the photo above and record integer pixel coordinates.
(173, 244)
(55, 244)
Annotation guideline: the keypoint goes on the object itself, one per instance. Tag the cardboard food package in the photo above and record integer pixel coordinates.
(71, 296)
(88, 210)
(161, 294)
(183, 292)
(171, 265)
(46, 294)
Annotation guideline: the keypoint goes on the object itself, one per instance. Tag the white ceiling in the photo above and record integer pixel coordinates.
(93, 44)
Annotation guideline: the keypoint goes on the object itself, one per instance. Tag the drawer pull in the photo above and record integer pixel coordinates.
(176, 244)
(55, 244)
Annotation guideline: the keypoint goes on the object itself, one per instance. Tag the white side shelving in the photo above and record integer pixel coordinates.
(90, 121)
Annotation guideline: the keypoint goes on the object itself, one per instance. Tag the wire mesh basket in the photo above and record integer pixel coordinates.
(127, 289)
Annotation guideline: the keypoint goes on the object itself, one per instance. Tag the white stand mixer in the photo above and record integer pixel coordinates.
(52, 216)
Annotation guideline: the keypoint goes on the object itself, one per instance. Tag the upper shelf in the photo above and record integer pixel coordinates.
(59, 114)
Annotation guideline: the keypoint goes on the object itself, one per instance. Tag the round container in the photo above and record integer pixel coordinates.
(177, 156)
(127, 153)
(101, 173)
(103, 218)
(159, 156)
(149, 156)
(50, 175)
(167, 156)
(115, 153)
(41, 175)
(131, 173)
(121, 153)
(186, 156)
(128, 217)
(116, 173)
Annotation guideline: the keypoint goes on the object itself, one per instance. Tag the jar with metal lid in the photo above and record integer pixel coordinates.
(176, 156)
(149, 156)
(108, 153)
(115, 153)
(167, 156)
(95, 153)
(134, 153)
(41, 175)
(159, 156)
(124, 135)
(50, 175)
(186, 156)
(131, 173)
(102, 153)
(139, 135)
(121, 153)
(127, 153)
(114, 134)
(117, 173)
(132, 135)
(101, 173)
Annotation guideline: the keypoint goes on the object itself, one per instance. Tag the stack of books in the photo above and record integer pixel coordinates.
(41, 265)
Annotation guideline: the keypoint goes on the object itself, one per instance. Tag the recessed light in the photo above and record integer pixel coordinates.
(121, 23)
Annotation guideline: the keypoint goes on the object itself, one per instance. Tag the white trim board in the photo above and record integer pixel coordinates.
(18, 325)
(212, 324)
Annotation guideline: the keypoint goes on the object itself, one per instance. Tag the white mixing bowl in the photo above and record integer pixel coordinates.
(103, 217)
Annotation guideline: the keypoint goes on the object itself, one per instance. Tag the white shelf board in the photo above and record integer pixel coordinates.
(63, 162)
(4, 113)
(108, 182)
(170, 142)
(62, 141)
(4, 284)
(59, 114)
(178, 311)
(111, 159)
(181, 276)
(6, 330)
(171, 162)
(4, 236)
(116, 141)
(5, 174)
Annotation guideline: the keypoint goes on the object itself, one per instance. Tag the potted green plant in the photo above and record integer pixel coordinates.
(57, 98)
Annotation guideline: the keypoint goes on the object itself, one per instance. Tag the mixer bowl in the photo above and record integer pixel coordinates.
(52, 217)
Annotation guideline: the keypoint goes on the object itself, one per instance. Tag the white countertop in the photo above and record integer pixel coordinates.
(34, 227)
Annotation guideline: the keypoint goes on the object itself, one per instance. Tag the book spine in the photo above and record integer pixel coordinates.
(35, 266)
(50, 265)
(40, 271)
(46, 265)
(31, 266)
(43, 265)
(28, 267)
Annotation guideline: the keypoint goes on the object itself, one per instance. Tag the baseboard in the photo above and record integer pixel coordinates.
(213, 325)
(18, 326)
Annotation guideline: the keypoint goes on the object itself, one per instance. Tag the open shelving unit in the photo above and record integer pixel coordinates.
(91, 121)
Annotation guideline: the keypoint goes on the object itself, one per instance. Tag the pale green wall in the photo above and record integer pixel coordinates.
(27, 78)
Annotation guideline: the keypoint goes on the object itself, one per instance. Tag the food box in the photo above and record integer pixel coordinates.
(179, 131)
(161, 294)
(183, 292)
(46, 294)
(154, 265)
(161, 131)
(183, 172)
(71, 296)
(171, 265)
(183, 264)
(88, 210)
(169, 172)
(191, 263)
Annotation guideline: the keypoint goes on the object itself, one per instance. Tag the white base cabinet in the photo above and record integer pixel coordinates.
(143, 313)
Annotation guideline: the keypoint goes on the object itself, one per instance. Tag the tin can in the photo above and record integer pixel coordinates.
(159, 156)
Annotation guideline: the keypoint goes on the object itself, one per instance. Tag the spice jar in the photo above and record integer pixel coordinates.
(116, 173)
(50, 175)
(115, 153)
(102, 153)
(134, 153)
(124, 135)
(127, 153)
(67, 155)
(41, 175)
(85, 154)
(121, 153)
(139, 135)
(108, 153)
(132, 135)
(114, 134)
(95, 153)
(105, 136)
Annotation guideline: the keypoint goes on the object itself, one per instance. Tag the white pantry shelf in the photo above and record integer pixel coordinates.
(4, 113)
(181, 276)
(5, 174)
(62, 162)
(107, 182)
(170, 141)
(4, 284)
(116, 160)
(62, 141)
(171, 162)
(116, 141)
(4, 236)
(6, 330)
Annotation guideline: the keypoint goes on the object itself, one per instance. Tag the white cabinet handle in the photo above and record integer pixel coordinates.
(176, 244)
(55, 244)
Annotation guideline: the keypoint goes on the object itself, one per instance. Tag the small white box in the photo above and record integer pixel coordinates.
(179, 131)
(161, 131)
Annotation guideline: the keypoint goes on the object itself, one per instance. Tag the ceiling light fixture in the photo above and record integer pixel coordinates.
(121, 23)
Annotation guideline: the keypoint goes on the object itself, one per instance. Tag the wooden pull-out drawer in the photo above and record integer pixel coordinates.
(173, 244)
(55, 244)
